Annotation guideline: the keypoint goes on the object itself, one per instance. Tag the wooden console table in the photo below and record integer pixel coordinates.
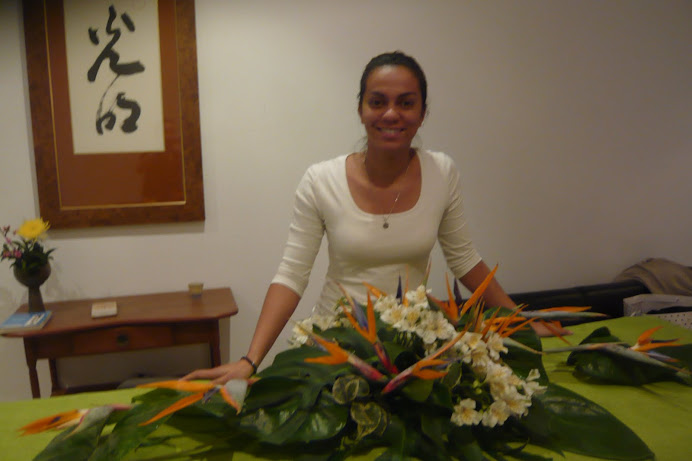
(143, 322)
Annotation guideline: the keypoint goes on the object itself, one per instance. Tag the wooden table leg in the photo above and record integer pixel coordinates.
(214, 345)
(31, 363)
(54, 379)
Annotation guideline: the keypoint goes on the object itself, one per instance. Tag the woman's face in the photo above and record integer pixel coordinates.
(392, 108)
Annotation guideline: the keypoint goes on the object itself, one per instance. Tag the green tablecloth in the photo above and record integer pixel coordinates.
(659, 413)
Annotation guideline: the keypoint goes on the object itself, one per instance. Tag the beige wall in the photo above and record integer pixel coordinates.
(570, 122)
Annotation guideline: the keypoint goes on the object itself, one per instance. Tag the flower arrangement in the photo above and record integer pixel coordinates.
(25, 250)
(374, 377)
(486, 390)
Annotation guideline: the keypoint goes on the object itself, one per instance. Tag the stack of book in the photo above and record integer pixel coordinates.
(25, 321)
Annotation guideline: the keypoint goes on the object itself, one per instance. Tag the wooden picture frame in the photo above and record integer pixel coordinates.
(95, 188)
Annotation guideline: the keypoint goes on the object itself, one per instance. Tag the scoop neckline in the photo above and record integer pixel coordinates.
(400, 213)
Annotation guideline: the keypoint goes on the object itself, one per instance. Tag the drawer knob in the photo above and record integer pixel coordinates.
(122, 340)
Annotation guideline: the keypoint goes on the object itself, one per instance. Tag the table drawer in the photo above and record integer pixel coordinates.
(102, 341)
(121, 339)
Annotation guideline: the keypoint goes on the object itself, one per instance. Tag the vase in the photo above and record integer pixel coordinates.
(33, 281)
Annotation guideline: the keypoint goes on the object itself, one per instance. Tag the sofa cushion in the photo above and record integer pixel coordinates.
(605, 298)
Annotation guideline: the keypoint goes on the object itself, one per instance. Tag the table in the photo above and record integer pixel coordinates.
(659, 413)
(143, 322)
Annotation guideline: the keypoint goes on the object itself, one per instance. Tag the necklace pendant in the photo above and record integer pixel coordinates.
(385, 225)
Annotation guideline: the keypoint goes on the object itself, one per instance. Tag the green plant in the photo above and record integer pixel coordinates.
(25, 249)
(404, 377)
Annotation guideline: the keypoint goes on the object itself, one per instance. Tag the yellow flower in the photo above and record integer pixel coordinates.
(33, 229)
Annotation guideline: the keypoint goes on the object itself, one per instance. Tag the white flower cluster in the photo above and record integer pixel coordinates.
(320, 320)
(511, 395)
(416, 318)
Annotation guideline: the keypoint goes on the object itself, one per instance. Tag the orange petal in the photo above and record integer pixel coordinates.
(446, 347)
(429, 374)
(510, 331)
(452, 314)
(477, 316)
(53, 422)
(645, 337)
(651, 345)
(349, 315)
(334, 348)
(327, 360)
(180, 404)
(479, 291)
(420, 369)
(376, 292)
(490, 322)
(372, 327)
(429, 362)
(336, 354)
(404, 301)
(512, 318)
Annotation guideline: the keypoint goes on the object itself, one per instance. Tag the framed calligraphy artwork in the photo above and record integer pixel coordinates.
(115, 111)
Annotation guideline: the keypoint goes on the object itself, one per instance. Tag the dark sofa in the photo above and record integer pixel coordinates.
(605, 298)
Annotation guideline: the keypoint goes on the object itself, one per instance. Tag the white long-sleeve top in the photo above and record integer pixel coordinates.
(360, 249)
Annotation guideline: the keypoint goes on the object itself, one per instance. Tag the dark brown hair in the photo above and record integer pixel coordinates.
(395, 58)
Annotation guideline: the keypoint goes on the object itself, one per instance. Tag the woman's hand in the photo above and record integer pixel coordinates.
(544, 332)
(279, 304)
(223, 373)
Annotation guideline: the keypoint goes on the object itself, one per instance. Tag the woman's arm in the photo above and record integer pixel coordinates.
(279, 304)
(494, 295)
(304, 239)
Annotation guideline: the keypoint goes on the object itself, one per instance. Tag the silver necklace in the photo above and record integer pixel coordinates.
(385, 219)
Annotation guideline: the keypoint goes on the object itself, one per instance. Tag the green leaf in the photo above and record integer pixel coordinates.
(273, 391)
(606, 366)
(391, 455)
(274, 425)
(418, 390)
(436, 426)
(289, 422)
(522, 361)
(394, 350)
(463, 443)
(348, 388)
(400, 438)
(370, 418)
(324, 421)
(127, 433)
(402, 360)
(441, 396)
(453, 375)
(562, 418)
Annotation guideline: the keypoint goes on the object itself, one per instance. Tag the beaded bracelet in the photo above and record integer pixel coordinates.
(252, 364)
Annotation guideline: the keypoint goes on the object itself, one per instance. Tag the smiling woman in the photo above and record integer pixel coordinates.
(382, 210)
(392, 110)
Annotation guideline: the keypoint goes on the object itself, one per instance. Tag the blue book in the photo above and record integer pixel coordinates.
(25, 321)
